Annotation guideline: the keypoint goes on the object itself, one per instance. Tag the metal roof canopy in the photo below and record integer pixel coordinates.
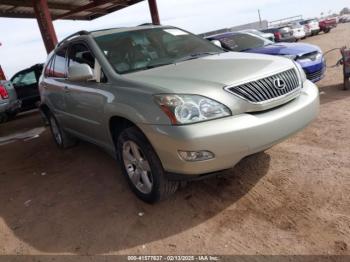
(47, 10)
(64, 9)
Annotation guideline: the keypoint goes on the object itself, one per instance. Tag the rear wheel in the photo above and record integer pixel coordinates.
(62, 138)
(142, 167)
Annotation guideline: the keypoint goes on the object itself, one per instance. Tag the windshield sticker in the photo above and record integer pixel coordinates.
(175, 32)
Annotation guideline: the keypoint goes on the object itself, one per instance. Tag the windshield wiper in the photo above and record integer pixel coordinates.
(150, 66)
(195, 56)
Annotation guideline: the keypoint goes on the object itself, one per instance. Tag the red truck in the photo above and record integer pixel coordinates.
(327, 24)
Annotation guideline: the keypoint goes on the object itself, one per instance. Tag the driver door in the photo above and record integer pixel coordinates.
(85, 100)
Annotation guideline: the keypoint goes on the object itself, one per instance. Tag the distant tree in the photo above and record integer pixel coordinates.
(345, 11)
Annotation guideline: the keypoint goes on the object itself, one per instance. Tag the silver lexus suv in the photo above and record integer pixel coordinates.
(169, 105)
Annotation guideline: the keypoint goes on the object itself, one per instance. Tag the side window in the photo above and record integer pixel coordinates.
(59, 64)
(25, 79)
(17, 78)
(29, 78)
(80, 54)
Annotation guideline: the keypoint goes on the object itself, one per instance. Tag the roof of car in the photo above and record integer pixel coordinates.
(107, 31)
(125, 29)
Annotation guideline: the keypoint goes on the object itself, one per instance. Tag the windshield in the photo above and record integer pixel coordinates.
(296, 26)
(243, 42)
(149, 48)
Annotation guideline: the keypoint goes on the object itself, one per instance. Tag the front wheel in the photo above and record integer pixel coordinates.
(142, 167)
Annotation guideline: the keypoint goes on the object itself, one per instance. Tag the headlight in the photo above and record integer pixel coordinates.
(319, 56)
(301, 72)
(188, 109)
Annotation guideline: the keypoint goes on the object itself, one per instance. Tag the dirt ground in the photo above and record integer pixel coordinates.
(292, 199)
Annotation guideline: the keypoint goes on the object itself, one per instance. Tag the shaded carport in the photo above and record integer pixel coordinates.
(45, 11)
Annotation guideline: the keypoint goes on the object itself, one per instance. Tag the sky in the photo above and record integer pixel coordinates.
(22, 44)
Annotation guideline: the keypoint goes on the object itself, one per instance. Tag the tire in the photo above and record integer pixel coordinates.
(326, 31)
(146, 176)
(62, 139)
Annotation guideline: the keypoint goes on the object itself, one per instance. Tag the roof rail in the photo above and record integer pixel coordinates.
(82, 32)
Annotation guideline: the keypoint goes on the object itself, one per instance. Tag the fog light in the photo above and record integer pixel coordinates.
(193, 156)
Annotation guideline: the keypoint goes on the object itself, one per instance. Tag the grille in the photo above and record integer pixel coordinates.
(264, 89)
(315, 75)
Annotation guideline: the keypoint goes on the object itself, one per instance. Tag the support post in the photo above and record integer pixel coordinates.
(44, 20)
(2, 74)
(154, 11)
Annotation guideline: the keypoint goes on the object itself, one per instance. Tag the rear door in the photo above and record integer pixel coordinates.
(26, 85)
(53, 85)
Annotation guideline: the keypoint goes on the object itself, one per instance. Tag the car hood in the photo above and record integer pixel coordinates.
(199, 76)
(298, 49)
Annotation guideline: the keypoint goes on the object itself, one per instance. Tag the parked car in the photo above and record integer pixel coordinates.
(9, 104)
(26, 84)
(326, 25)
(268, 36)
(309, 57)
(344, 19)
(298, 30)
(170, 105)
(282, 34)
(312, 25)
(307, 30)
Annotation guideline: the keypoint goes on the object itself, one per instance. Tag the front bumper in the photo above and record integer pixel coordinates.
(232, 138)
(314, 70)
(299, 35)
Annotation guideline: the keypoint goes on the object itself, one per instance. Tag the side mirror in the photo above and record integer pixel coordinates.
(217, 43)
(80, 72)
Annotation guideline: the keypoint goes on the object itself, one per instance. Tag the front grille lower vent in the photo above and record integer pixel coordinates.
(315, 75)
(268, 88)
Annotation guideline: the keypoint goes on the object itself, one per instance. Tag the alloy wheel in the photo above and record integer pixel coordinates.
(137, 167)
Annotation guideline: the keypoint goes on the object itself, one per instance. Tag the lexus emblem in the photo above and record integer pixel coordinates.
(279, 84)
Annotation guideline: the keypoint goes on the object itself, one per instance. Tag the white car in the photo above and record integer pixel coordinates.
(298, 30)
(169, 105)
(312, 25)
(344, 19)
